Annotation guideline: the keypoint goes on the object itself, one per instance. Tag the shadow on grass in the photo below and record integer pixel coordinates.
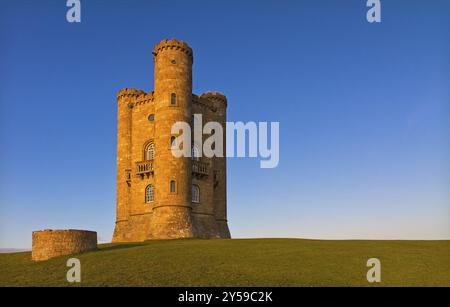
(119, 246)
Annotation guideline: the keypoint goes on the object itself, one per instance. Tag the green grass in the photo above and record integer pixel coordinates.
(252, 262)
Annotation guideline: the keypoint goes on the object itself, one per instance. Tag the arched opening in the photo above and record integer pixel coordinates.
(173, 186)
(149, 193)
(195, 153)
(195, 194)
(149, 151)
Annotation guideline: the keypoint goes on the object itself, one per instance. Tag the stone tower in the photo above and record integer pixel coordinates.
(160, 196)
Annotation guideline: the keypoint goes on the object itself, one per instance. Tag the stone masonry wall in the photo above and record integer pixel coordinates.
(53, 243)
(147, 118)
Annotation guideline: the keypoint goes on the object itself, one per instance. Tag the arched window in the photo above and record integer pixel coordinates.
(172, 186)
(149, 151)
(149, 194)
(173, 99)
(195, 194)
(195, 153)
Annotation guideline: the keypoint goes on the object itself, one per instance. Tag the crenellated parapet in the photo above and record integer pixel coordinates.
(129, 93)
(135, 96)
(173, 44)
(160, 196)
(217, 97)
(143, 99)
(203, 103)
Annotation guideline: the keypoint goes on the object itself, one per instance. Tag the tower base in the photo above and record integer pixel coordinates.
(171, 222)
(224, 231)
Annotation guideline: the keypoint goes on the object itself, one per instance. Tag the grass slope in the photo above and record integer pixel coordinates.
(252, 262)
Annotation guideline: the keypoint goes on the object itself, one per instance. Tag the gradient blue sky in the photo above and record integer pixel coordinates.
(363, 111)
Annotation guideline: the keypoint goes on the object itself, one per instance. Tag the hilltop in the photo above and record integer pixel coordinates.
(240, 262)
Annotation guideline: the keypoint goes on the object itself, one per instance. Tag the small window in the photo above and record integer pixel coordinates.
(149, 194)
(151, 118)
(173, 142)
(172, 186)
(174, 62)
(195, 194)
(173, 99)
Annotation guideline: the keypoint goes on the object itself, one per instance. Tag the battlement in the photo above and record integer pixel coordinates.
(129, 92)
(135, 96)
(195, 205)
(203, 103)
(215, 97)
(173, 44)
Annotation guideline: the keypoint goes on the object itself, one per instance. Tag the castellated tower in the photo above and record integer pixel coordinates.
(160, 196)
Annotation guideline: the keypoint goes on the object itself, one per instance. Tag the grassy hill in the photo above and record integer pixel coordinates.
(252, 262)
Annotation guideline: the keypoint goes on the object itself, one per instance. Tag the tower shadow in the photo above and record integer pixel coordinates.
(119, 246)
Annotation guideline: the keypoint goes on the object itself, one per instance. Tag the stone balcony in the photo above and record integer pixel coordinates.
(144, 168)
(199, 169)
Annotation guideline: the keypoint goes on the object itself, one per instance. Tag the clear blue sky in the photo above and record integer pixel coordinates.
(363, 111)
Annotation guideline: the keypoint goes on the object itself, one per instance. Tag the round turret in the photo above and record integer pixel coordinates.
(218, 98)
(172, 44)
(173, 103)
